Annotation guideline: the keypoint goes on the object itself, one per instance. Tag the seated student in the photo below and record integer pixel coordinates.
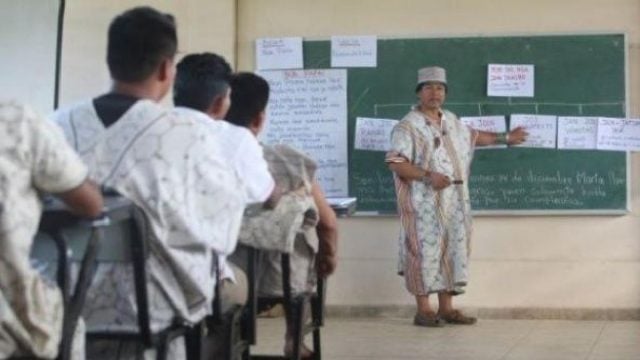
(201, 89)
(294, 174)
(34, 158)
(167, 164)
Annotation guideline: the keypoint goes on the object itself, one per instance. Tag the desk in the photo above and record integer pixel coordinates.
(343, 207)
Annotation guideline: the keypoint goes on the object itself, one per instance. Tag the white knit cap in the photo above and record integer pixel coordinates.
(432, 73)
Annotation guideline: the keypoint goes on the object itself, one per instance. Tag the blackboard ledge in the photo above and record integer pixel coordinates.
(590, 212)
(483, 213)
(363, 214)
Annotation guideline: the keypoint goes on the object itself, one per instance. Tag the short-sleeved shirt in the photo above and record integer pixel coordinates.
(34, 158)
(243, 151)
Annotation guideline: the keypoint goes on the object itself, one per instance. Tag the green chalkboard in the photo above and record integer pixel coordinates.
(574, 75)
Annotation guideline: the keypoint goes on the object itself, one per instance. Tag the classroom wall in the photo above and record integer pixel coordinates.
(202, 26)
(28, 48)
(544, 264)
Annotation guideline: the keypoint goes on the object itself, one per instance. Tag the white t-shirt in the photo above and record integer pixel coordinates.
(243, 151)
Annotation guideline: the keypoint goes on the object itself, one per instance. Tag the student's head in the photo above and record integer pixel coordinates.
(249, 97)
(202, 83)
(142, 43)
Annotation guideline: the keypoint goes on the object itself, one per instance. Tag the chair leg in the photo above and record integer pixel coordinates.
(229, 337)
(317, 352)
(317, 321)
(162, 350)
(193, 342)
(296, 318)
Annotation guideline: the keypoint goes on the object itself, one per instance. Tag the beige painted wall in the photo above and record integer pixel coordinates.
(202, 26)
(552, 262)
(564, 262)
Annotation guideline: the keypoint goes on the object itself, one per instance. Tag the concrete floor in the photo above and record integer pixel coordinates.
(397, 338)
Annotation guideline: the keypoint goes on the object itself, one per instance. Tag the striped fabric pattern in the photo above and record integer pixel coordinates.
(436, 225)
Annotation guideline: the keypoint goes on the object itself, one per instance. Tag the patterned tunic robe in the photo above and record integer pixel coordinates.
(34, 157)
(166, 162)
(436, 225)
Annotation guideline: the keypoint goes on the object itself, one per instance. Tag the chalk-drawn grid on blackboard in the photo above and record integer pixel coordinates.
(484, 108)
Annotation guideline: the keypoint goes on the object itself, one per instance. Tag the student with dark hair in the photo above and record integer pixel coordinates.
(202, 83)
(165, 162)
(251, 97)
(202, 88)
(141, 45)
(303, 215)
(34, 158)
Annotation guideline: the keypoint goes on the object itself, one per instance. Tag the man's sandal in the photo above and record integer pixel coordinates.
(427, 320)
(457, 318)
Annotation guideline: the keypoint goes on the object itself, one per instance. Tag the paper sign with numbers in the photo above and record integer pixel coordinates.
(541, 129)
(496, 124)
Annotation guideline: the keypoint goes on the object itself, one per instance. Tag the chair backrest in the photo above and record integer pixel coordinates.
(128, 243)
(126, 238)
(55, 221)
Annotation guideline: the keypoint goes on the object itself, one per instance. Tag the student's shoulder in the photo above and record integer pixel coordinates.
(285, 151)
(187, 115)
(78, 108)
(15, 120)
(239, 132)
(25, 125)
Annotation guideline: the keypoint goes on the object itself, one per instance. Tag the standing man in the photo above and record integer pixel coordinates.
(168, 165)
(430, 156)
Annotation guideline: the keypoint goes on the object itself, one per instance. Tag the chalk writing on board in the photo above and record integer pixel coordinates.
(376, 187)
(512, 188)
(279, 53)
(510, 80)
(354, 51)
(579, 133)
(308, 110)
(373, 134)
(618, 134)
(541, 129)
